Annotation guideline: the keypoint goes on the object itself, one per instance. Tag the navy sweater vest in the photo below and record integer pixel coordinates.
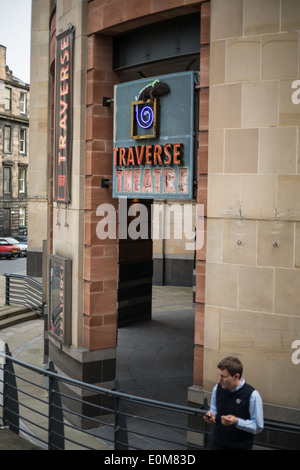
(237, 404)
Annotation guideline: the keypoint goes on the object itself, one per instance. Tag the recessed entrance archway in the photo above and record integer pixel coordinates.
(155, 340)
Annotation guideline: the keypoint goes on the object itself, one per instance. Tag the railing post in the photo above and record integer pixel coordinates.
(56, 436)
(6, 289)
(10, 395)
(206, 427)
(120, 432)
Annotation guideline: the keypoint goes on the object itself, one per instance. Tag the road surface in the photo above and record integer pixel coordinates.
(13, 266)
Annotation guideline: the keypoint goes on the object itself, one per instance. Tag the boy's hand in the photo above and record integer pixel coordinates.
(229, 420)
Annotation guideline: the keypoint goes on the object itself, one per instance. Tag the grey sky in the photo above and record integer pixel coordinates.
(15, 24)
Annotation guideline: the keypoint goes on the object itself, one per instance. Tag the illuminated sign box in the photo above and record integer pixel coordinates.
(60, 298)
(144, 122)
(154, 133)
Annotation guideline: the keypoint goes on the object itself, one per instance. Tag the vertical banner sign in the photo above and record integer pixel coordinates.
(63, 116)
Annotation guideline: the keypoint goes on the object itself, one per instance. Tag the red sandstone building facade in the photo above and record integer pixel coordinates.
(245, 175)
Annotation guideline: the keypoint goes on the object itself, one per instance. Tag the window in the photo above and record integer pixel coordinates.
(6, 180)
(7, 139)
(7, 99)
(6, 222)
(22, 180)
(22, 217)
(22, 140)
(23, 102)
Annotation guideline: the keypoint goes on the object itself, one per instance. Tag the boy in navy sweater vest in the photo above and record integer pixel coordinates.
(236, 409)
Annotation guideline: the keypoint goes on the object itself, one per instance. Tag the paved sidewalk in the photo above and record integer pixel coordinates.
(154, 358)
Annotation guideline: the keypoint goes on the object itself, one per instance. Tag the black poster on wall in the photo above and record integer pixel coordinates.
(63, 116)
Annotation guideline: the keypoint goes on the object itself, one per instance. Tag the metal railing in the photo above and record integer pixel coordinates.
(25, 291)
(36, 409)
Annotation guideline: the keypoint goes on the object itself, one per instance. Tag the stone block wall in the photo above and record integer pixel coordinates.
(101, 256)
(252, 305)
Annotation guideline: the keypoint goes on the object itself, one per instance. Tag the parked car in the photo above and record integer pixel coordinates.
(7, 249)
(21, 238)
(21, 245)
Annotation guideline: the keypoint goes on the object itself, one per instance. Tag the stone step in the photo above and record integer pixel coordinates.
(13, 314)
(11, 441)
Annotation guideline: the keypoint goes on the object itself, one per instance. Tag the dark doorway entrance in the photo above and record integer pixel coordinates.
(135, 270)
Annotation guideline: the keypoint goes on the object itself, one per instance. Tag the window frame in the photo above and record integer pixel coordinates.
(23, 150)
(23, 102)
(9, 139)
(22, 219)
(7, 99)
(22, 179)
(7, 181)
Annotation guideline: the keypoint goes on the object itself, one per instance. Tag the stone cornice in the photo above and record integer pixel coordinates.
(10, 117)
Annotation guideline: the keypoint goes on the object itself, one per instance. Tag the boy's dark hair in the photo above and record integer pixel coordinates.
(232, 364)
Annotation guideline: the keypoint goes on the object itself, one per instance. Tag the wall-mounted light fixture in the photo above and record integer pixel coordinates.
(105, 183)
(107, 101)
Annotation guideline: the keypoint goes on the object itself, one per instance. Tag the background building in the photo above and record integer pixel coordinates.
(246, 176)
(14, 145)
